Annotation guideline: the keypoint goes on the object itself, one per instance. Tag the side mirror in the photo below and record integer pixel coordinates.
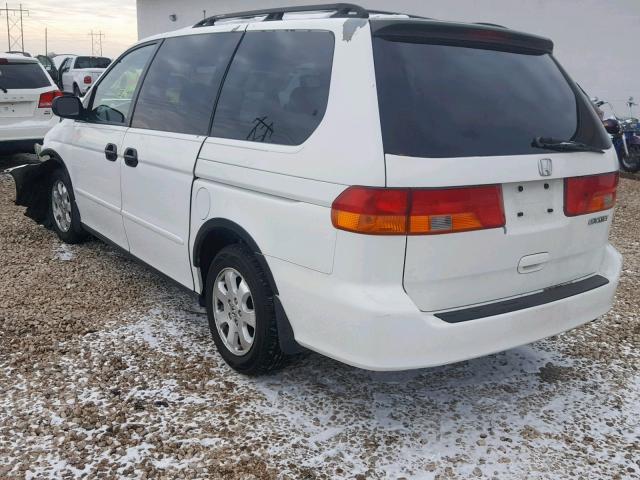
(612, 127)
(68, 106)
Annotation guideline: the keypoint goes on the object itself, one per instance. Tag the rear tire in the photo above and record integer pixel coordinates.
(238, 296)
(63, 211)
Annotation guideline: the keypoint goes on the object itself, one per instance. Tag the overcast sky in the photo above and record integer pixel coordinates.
(69, 23)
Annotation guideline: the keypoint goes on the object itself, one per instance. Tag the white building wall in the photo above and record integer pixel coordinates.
(597, 41)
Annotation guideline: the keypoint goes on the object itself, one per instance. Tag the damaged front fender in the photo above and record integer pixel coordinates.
(32, 188)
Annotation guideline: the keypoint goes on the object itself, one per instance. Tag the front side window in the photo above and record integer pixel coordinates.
(182, 83)
(113, 96)
(442, 101)
(277, 87)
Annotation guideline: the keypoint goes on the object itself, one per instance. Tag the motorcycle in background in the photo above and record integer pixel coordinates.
(625, 135)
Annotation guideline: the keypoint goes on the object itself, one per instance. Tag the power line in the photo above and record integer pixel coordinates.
(96, 43)
(15, 27)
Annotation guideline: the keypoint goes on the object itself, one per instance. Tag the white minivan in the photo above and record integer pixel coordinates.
(392, 192)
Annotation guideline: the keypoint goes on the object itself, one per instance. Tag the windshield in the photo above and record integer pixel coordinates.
(461, 101)
(92, 62)
(22, 76)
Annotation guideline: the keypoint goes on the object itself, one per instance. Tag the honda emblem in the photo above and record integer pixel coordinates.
(545, 167)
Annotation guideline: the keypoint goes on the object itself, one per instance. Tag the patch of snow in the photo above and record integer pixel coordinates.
(64, 252)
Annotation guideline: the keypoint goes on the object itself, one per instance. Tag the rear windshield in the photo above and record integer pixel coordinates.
(460, 101)
(23, 76)
(92, 62)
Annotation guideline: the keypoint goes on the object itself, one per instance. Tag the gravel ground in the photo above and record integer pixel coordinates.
(108, 372)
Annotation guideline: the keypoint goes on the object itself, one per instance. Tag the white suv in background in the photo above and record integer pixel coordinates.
(26, 96)
(391, 192)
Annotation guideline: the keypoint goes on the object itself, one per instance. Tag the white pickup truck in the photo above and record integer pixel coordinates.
(77, 74)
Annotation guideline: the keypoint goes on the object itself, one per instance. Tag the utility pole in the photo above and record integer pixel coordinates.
(15, 41)
(96, 43)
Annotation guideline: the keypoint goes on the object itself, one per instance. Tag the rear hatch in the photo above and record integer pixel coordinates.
(21, 84)
(461, 106)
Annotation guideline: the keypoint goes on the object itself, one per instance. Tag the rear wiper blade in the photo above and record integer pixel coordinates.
(4, 89)
(563, 145)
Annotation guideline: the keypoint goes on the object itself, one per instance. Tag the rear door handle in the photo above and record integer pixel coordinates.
(131, 157)
(111, 152)
(533, 263)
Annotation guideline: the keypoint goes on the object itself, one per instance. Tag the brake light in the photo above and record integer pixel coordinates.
(389, 211)
(4, 61)
(594, 193)
(46, 99)
(87, 79)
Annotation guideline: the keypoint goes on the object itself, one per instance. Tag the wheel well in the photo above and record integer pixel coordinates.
(214, 241)
(32, 184)
(218, 233)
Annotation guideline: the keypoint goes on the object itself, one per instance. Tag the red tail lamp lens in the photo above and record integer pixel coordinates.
(376, 211)
(382, 211)
(594, 193)
(46, 99)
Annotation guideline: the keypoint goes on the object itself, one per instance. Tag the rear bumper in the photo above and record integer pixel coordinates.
(27, 130)
(380, 328)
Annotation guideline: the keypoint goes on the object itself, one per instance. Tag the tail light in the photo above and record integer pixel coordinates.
(46, 99)
(389, 211)
(87, 79)
(594, 193)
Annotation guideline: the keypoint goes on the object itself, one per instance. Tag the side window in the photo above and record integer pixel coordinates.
(113, 96)
(277, 88)
(182, 83)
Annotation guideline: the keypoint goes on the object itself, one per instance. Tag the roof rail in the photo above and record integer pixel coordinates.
(487, 24)
(384, 12)
(342, 10)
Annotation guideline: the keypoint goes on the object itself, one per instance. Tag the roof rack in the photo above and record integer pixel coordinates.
(341, 10)
(487, 24)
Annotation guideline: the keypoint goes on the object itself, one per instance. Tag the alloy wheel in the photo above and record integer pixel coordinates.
(61, 206)
(234, 312)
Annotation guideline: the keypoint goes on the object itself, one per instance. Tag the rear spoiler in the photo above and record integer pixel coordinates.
(475, 35)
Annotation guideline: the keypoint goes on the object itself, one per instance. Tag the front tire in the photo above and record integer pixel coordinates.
(63, 212)
(241, 312)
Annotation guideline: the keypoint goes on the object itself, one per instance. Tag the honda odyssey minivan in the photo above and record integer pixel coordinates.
(390, 191)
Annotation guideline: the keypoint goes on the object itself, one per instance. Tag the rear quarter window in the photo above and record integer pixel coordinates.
(18, 76)
(277, 88)
(460, 101)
